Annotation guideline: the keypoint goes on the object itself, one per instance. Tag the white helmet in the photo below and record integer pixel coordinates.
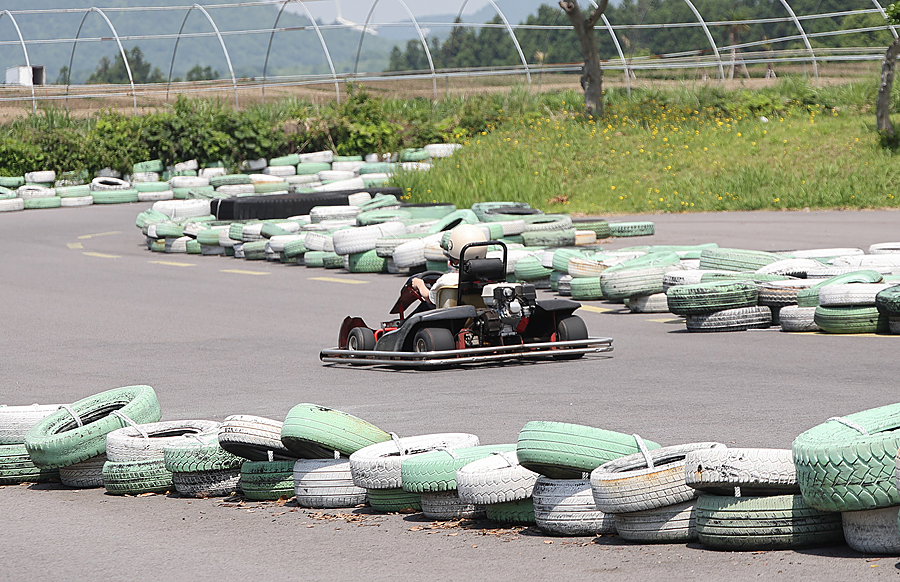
(461, 236)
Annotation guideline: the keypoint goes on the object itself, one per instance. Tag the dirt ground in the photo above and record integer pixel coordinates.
(86, 100)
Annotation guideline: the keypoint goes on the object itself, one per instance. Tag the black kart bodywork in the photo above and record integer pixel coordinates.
(487, 324)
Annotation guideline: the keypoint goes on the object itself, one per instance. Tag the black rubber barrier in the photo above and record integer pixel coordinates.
(285, 205)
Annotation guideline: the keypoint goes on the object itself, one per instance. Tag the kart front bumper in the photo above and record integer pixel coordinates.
(424, 360)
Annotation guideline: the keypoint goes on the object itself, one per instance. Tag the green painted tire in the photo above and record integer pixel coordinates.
(530, 269)
(621, 229)
(229, 180)
(12, 181)
(764, 523)
(267, 480)
(148, 166)
(564, 451)
(436, 471)
(312, 168)
(58, 440)
(115, 196)
(142, 187)
(586, 289)
(519, 512)
(288, 160)
(851, 319)
(736, 259)
(17, 467)
(452, 220)
(271, 229)
(269, 187)
(711, 297)
(394, 500)
(136, 477)
(316, 432)
(39, 203)
(78, 191)
(198, 455)
(379, 216)
(841, 469)
(549, 238)
(888, 301)
(414, 155)
(367, 262)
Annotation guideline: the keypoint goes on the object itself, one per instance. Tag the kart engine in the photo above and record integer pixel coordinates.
(513, 302)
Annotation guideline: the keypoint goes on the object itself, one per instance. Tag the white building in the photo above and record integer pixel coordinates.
(26, 76)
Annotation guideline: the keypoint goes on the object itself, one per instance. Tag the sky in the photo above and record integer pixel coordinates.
(392, 10)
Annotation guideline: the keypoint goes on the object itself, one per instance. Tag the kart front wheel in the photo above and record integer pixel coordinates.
(433, 339)
(361, 338)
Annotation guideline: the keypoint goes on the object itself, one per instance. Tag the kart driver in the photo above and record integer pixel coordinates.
(459, 237)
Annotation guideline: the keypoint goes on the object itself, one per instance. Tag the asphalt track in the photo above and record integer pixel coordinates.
(85, 308)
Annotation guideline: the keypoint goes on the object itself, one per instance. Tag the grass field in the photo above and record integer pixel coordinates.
(680, 150)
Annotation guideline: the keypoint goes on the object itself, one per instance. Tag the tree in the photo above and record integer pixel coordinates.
(199, 73)
(888, 64)
(115, 72)
(592, 73)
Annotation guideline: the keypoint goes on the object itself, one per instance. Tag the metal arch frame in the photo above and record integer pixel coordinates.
(221, 42)
(884, 14)
(709, 37)
(509, 29)
(337, 89)
(121, 50)
(24, 50)
(415, 22)
(805, 38)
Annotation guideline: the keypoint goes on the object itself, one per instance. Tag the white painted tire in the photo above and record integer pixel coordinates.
(767, 471)
(12, 205)
(797, 319)
(335, 175)
(16, 420)
(579, 267)
(872, 531)
(884, 248)
(566, 507)
(31, 191)
(211, 172)
(187, 166)
(441, 150)
(129, 443)
(144, 177)
(253, 437)
(629, 484)
(317, 241)
(363, 239)
(280, 171)
(326, 483)
(407, 255)
(447, 505)
(352, 167)
(672, 523)
(850, 294)
(109, 185)
(182, 208)
(656, 303)
(41, 177)
(235, 189)
(156, 196)
(323, 213)
(324, 157)
(825, 253)
(76, 201)
(495, 479)
(791, 267)
(348, 184)
(891, 260)
(378, 466)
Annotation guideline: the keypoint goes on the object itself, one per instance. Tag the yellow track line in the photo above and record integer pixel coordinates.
(595, 309)
(84, 236)
(240, 272)
(101, 255)
(172, 263)
(75, 245)
(336, 280)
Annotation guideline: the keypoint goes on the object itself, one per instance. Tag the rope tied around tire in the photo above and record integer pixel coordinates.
(71, 411)
(504, 456)
(396, 440)
(447, 450)
(644, 450)
(850, 423)
(127, 420)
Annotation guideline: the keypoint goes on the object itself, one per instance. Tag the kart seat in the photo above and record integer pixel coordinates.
(446, 297)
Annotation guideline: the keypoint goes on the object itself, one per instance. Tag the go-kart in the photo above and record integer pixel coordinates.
(481, 319)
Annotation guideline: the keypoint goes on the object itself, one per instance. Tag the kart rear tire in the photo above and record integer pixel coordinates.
(361, 338)
(569, 329)
(433, 339)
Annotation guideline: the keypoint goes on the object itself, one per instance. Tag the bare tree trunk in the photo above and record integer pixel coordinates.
(883, 102)
(592, 72)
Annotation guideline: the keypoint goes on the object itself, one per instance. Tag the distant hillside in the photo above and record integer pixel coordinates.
(293, 52)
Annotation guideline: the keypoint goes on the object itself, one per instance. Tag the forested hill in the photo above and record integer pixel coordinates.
(297, 51)
(487, 47)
